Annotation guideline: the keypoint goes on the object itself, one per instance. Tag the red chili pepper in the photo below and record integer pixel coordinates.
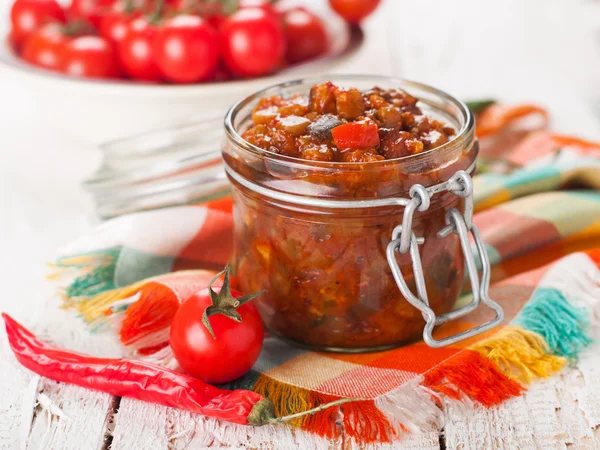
(355, 135)
(143, 381)
(136, 379)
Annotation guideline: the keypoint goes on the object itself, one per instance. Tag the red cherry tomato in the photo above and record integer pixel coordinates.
(221, 73)
(44, 47)
(226, 356)
(135, 51)
(178, 5)
(13, 42)
(265, 5)
(305, 35)
(90, 57)
(186, 49)
(89, 10)
(211, 11)
(113, 24)
(355, 135)
(27, 16)
(162, 8)
(354, 11)
(253, 42)
(216, 20)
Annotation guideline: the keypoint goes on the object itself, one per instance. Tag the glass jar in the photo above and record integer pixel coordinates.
(176, 165)
(316, 235)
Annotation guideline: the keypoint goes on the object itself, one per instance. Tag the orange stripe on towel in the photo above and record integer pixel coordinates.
(473, 375)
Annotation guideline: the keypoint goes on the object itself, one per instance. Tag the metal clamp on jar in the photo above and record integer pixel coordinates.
(404, 240)
(342, 248)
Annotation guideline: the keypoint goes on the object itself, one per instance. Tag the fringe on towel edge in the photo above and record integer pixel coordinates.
(547, 333)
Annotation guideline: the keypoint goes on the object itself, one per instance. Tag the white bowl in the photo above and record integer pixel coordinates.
(96, 111)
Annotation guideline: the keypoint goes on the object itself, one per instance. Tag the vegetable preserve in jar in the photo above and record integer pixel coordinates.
(339, 183)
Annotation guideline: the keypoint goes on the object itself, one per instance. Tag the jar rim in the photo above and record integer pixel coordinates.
(465, 134)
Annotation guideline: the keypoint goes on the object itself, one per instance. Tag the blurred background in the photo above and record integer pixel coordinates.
(545, 52)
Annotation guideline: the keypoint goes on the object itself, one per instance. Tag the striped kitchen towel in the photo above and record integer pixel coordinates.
(541, 225)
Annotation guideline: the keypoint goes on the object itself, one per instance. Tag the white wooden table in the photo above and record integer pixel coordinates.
(542, 50)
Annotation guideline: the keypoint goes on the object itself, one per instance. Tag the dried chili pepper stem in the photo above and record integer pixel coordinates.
(308, 412)
(224, 302)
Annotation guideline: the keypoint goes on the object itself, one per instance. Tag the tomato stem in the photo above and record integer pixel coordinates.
(76, 28)
(155, 16)
(228, 7)
(224, 302)
(128, 6)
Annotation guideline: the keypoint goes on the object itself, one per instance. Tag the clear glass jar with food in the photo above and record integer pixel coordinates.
(341, 188)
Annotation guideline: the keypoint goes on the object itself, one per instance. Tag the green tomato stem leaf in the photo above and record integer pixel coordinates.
(224, 302)
(206, 322)
(249, 297)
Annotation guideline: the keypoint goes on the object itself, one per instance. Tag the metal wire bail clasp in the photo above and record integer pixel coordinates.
(404, 240)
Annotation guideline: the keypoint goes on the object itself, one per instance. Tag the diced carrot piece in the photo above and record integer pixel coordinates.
(356, 135)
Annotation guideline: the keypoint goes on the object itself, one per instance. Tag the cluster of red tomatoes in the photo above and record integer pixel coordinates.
(177, 41)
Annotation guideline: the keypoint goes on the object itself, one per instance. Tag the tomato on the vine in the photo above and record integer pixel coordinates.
(212, 12)
(179, 41)
(221, 73)
(186, 49)
(27, 16)
(265, 5)
(114, 23)
(90, 11)
(305, 35)
(13, 42)
(354, 11)
(253, 42)
(135, 51)
(216, 20)
(44, 47)
(89, 56)
(216, 335)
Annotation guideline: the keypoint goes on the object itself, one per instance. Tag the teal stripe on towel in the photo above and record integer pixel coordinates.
(101, 276)
(564, 326)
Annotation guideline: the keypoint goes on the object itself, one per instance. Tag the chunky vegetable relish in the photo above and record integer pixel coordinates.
(345, 125)
(327, 279)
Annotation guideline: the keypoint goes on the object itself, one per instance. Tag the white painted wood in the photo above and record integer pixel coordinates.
(18, 389)
(542, 403)
(140, 425)
(570, 414)
(66, 416)
(554, 414)
(80, 423)
(546, 51)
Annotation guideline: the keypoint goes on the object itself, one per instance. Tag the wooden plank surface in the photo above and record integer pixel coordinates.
(61, 416)
(542, 50)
